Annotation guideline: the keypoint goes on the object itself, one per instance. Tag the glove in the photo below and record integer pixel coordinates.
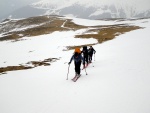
(69, 63)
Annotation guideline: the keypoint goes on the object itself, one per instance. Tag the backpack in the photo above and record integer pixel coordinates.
(77, 50)
(90, 51)
(85, 51)
(84, 47)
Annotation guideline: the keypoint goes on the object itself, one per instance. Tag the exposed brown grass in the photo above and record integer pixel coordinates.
(48, 25)
(73, 26)
(13, 68)
(45, 62)
(12, 36)
(105, 33)
(108, 33)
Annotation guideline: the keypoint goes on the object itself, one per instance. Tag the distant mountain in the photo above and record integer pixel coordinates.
(80, 9)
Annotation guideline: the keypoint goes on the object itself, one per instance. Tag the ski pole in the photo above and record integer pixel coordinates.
(68, 72)
(92, 64)
(85, 71)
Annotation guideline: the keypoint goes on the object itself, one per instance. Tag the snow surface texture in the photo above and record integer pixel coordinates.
(118, 82)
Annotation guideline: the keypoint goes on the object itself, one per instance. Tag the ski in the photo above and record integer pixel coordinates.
(76, 78)
(85, 66)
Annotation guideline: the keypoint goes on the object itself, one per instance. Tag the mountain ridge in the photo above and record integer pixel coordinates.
(110, 10)
(82, 9)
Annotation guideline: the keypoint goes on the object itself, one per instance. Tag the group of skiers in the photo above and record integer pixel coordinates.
(84, 56)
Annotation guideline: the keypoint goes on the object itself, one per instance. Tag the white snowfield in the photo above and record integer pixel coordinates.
(119, 82)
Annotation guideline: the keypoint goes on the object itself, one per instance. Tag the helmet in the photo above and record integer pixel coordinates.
(77, 50)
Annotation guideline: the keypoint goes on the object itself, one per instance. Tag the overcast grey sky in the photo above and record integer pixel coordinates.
(7, 6)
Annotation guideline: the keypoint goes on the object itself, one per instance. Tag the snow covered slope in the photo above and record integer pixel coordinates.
(118, 82)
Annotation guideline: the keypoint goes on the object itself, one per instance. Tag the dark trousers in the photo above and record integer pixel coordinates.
(90, 57)
(85, 58)
(77, 67)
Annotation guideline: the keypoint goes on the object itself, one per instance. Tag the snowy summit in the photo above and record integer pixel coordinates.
(88, 9)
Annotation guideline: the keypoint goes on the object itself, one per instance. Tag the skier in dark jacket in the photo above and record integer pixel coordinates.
(77, 57)
(91, 50)
(85, 55)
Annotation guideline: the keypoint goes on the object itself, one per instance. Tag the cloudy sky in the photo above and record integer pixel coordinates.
(7, 6)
